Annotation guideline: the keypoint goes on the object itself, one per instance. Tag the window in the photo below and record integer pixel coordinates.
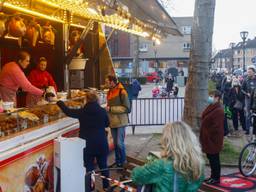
(143, 47)
(186, 30)
(186, 47)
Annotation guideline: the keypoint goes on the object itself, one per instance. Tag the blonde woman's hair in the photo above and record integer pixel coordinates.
(182, 146)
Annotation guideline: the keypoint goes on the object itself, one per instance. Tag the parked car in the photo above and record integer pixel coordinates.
(152, 77)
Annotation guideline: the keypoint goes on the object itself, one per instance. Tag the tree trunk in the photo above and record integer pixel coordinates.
(201, 40)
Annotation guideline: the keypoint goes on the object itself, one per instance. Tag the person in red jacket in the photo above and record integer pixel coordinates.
(212, 135)
(41, 79)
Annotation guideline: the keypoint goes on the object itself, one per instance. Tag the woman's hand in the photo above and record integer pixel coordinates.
(48, 96)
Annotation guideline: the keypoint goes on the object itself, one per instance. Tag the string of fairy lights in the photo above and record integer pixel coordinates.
(119, 18)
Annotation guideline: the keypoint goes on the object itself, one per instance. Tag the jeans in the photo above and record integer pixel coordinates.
(89, 160)
(118, 135)
(235, 114)
(214, 160)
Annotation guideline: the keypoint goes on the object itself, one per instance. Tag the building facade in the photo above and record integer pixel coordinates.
(173, 51)
(232, 58)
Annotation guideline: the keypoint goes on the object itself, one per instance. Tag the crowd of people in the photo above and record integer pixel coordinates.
(181, 162)
(170, 89)
(239, 100)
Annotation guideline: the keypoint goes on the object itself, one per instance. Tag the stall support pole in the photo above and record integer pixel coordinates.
(103, 47)
(73, 51)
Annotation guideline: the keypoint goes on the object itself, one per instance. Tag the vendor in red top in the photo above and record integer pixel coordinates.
(40, 78)
(12, 77)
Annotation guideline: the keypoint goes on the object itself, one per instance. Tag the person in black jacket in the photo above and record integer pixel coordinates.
(249, 84)
(93, 121)
(226, 88)
(237, 105)
(169, 84)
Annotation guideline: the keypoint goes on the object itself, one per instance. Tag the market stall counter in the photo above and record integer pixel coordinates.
(26, 146)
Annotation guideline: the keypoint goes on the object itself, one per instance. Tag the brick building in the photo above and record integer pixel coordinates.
(172, 52)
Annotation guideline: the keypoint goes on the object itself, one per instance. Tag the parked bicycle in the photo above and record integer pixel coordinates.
(247, 158)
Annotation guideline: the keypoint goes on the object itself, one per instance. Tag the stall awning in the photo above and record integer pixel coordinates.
(152, 12)
(145, 18)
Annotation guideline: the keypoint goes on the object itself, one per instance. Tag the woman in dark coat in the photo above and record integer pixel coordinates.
(236, 96)
(93, 121)
(212, 133)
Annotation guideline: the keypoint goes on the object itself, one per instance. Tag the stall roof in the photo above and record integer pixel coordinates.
(152, 12)
(145, 18)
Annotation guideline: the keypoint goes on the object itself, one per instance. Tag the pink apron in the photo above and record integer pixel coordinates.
(7, 94)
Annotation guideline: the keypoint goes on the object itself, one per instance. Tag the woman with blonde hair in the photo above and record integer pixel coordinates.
(181, 166)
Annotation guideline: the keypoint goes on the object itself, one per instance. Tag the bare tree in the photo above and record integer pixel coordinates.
(197, 86)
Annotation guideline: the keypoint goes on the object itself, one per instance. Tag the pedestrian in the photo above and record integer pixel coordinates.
(226, 88)
(118, 107)
(40, 78)
(237, 105)
(253, 110)
(93, 120)
(175, 90)
(212, 135)
(128, 87)
(181, 165)
(136, 88)
(249, 84)
(169, 84)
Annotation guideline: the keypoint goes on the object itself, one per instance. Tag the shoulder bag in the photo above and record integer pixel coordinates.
(238, 105)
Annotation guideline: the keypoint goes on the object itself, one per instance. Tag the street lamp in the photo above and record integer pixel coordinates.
(244, 35)
(232, 45)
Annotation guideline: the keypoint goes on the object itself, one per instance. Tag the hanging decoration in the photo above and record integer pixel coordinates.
(108, 12)
(2, 24)
(33, 32)
(48, 34)
(16, 27)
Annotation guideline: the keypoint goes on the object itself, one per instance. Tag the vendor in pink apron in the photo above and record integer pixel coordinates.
(12, 77)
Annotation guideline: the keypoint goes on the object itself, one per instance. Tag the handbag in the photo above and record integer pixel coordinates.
(238, 105)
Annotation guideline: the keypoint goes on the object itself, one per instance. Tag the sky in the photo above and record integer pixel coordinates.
(231, 17)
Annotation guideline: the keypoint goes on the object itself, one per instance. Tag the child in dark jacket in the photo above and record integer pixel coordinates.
(93, 121)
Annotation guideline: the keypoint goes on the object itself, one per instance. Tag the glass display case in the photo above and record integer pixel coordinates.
(37, 116)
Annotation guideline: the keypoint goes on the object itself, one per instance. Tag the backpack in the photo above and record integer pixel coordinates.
(121, 100)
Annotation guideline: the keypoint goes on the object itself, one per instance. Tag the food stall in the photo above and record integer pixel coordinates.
(70, 34)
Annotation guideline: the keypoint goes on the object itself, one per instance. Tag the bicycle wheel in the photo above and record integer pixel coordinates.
(247, 160)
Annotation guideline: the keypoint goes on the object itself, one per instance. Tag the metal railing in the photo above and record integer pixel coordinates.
(155, 111)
